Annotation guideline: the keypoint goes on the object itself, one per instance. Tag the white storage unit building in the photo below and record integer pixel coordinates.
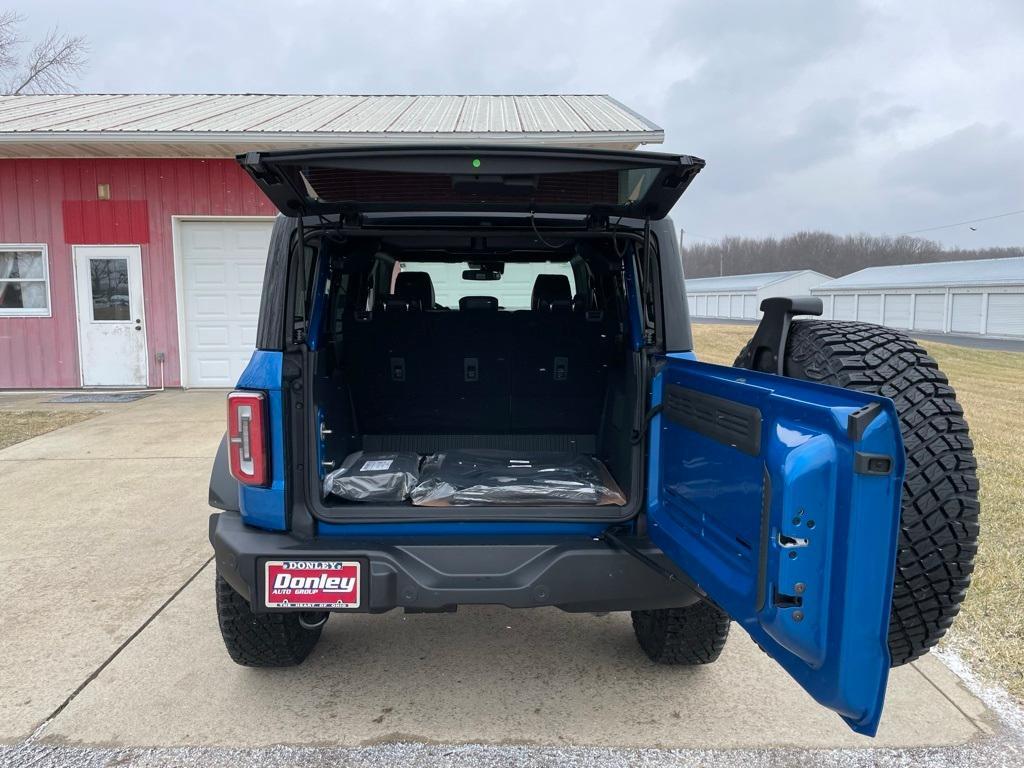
(739, 297)
(984, 297)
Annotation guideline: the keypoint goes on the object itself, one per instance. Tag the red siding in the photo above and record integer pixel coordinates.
(55, 202)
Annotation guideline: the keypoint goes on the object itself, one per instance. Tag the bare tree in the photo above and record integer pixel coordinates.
(51, 65)
(827, 253)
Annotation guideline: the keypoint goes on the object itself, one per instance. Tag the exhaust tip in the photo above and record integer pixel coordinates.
(313, 619)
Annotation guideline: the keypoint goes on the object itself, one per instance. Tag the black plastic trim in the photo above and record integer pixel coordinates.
(859, 421)
(223, 486)
(728, 422)
(270, 327)
(675, 309)
(574, 573)
(767, 350)
(872, 463)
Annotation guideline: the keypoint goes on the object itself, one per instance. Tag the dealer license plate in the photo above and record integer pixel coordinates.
(309, 584)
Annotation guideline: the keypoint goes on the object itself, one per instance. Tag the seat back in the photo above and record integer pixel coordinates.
(478, 370)
(415, 287)
(559, 362)
(473, 365)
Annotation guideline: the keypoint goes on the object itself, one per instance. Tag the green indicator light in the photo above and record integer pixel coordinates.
(476, 162)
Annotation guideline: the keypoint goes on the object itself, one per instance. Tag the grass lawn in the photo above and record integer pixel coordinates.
(16, 426)
(989, 632)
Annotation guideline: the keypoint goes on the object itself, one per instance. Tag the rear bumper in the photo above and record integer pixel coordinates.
(571, 573)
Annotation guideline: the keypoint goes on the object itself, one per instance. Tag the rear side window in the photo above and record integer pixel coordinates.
(513, 289)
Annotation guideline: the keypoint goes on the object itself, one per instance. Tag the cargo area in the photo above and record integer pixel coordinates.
(492, 369)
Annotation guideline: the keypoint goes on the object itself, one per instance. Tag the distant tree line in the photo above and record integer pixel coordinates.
(829, 254)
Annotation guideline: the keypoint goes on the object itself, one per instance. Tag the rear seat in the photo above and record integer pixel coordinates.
(559, 362)
(479, 370)
(389, 356)
(415, 287)
(473, 365)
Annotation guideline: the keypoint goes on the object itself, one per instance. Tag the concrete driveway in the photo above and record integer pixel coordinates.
(111, 647)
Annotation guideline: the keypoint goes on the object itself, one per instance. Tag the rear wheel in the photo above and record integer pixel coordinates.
(939, 520)
(264, 639)
(692, 635)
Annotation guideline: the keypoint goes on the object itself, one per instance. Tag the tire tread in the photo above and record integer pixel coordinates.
(261, 639)
(939, 522)
(692, 635)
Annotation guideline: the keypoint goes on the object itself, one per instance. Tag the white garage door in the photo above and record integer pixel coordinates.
(897, 310)
(869, 307)
(736, 305)
(966, 313)
(1006, 314)
(750, 306)
(929, 311)
(222, 265)
(843, 309)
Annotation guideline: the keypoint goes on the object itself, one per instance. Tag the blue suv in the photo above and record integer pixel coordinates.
(474, 383)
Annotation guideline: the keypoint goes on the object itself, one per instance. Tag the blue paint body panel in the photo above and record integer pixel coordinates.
(265, 507)
(443, 528)
(791, 529)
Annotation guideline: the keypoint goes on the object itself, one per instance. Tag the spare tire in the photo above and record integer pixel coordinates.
(939, 521)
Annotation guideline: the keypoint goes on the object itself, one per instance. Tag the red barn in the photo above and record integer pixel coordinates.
(132, 246)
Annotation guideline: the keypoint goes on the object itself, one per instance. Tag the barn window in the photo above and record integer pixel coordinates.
(24, 281)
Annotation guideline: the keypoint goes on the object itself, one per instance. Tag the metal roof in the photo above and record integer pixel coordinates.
(1009, 271)
(110, 124)
(752, 282)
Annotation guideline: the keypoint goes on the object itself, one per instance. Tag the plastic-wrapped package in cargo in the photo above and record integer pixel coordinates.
(376, 477)
(485, 477)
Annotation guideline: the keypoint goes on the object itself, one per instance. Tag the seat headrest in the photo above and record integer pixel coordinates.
(415, 286)
(474, 303)
(551, 292)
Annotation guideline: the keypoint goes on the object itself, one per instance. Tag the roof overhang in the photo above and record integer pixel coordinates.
(225, 125)
(227, 145)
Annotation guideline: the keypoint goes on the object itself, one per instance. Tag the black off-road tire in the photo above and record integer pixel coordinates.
(261, 639)
(939, 522)
(692, 635)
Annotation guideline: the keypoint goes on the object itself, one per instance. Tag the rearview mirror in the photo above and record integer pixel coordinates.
(481, 274)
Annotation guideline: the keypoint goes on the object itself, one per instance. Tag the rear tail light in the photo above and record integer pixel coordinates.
(247, 437)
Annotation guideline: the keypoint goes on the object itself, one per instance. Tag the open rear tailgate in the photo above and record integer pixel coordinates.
(472, 178)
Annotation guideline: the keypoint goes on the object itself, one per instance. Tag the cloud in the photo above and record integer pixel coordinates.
(856, 116)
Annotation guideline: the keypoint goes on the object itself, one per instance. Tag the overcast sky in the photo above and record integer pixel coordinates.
(877, 117)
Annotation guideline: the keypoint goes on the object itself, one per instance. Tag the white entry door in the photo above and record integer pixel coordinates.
(111, 322)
